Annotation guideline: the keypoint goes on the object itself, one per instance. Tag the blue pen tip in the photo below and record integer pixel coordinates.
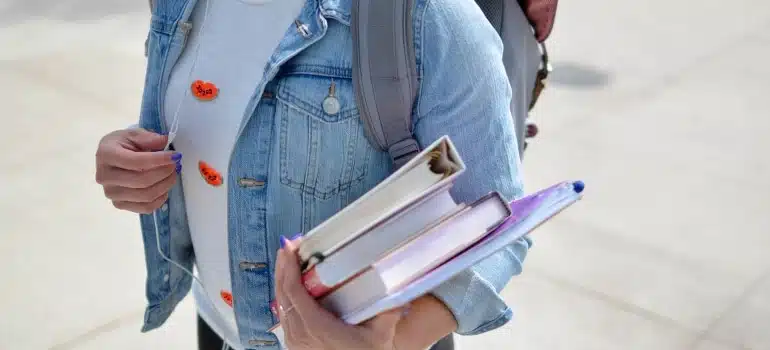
(578, 186)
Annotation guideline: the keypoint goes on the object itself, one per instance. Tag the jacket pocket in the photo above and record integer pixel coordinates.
(323, 151)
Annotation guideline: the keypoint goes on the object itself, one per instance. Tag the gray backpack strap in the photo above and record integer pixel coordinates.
(385, 74)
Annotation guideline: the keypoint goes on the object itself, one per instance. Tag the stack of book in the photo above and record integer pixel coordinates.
(408, 235)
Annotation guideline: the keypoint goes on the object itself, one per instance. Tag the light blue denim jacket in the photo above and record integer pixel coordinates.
(293, 165)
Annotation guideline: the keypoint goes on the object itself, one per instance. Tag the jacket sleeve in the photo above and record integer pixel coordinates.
(464, 93)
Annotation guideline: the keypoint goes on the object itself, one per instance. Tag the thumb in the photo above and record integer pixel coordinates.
(145, 140)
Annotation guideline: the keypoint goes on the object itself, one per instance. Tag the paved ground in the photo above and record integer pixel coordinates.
(662, 111)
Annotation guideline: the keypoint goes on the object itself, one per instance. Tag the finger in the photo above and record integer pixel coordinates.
(284, 303)
(141, 208)
(140, 195)
(279, 295)
(279, 268)
(112, 176)
(293, 326)
(307, 308)
(296, 240)
(146, 140)
(124, 158)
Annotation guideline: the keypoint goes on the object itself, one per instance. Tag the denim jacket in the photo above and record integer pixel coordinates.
(294, 165)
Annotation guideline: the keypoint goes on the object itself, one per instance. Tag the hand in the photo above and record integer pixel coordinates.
(307, 325)
(135, 171)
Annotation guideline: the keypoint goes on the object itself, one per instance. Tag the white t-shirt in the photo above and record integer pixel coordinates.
(238, 39)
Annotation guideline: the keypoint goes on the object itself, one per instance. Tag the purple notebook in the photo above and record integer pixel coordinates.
(527, 214)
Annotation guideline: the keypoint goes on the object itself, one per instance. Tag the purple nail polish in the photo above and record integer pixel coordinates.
(283, 241)
(176, 157)
(405, 310)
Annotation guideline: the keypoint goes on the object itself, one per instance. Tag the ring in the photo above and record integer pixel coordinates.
(287, 310)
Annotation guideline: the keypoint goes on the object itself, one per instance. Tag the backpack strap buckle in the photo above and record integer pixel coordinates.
(542, 75)
(403, 151)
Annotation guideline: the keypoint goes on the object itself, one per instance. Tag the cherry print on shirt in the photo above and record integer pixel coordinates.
(227, 297)
(204, 90)
(210, 174)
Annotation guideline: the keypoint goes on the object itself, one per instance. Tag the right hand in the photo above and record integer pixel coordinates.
(135, 171)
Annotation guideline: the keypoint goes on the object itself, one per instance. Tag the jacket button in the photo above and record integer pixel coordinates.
(331, 105)
(248, 182)
(259, 342)
(248, 265)
(302, 29)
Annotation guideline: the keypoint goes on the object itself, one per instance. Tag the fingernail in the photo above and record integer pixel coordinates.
(274, 307)
(176, 157)
(283, 241)
(405, 310)
(296, 236)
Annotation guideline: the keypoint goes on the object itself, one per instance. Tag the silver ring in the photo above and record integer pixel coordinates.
(287, 310)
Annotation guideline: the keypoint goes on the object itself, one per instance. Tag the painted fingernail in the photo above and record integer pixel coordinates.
(176, 157)
(283, 241)
(405, 310)
(296, 236)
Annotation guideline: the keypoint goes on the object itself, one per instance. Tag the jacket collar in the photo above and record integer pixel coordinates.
(336, 9)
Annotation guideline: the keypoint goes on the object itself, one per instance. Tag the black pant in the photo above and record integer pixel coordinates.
(208, 340)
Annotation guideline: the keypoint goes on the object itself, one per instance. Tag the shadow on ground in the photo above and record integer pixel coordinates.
(579, 76)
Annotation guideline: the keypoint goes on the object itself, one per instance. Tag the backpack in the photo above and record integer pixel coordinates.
(385, 76)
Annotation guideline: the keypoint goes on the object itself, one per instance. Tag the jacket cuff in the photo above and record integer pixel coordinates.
(473, 296)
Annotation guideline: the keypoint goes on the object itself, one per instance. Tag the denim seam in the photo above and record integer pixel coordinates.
(312, 110)
(304, 187)
(419, 36)
(162, 25)
(317, 70)
(165, 306)
(341, 17)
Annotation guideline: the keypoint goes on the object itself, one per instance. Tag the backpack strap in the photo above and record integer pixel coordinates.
(385, 74)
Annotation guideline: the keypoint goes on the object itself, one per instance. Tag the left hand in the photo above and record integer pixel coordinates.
(307, 325)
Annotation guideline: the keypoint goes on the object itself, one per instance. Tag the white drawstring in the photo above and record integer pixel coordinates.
(174, 127)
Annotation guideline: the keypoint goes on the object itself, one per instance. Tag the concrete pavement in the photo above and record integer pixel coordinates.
(661, 110)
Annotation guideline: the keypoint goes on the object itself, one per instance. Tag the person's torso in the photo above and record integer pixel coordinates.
(294, 162)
